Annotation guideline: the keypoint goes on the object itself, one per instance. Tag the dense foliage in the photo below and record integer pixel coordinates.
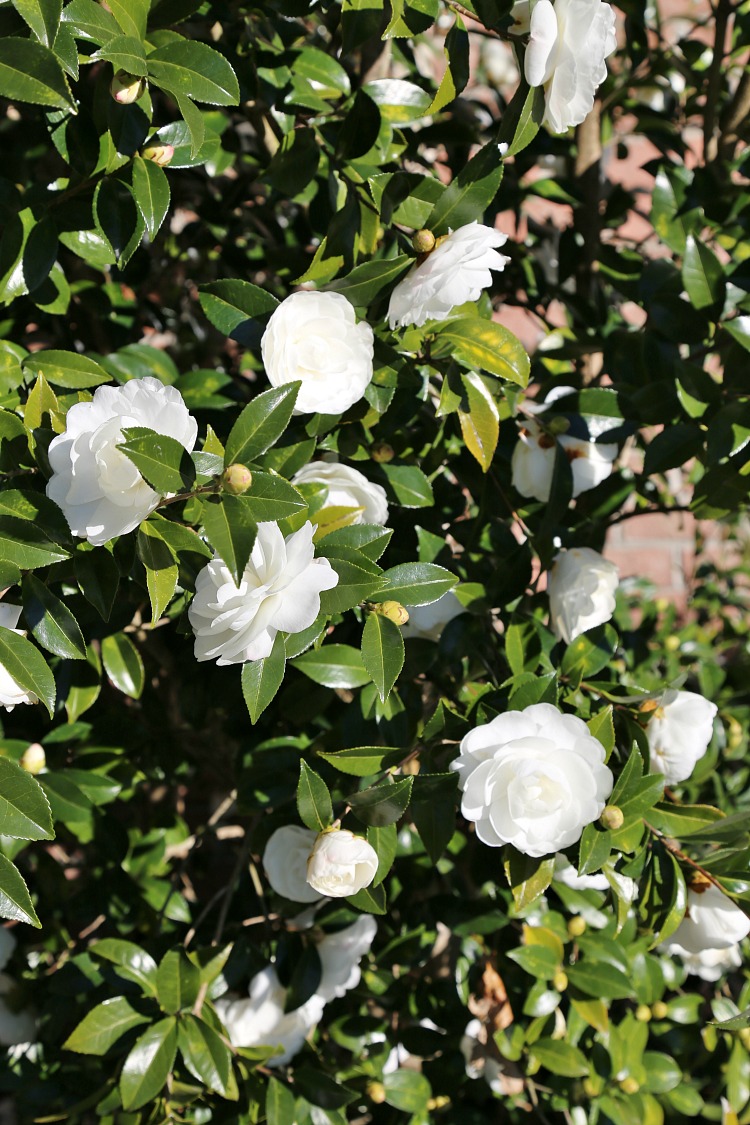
(173, 171)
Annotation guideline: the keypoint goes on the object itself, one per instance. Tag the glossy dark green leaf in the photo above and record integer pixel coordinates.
(320, 1089)
(362, 761)
(382, 652)
(470, 194)
(261, 679)
(125, 52)
(229, 303)
(146, 1069)
(560, 1058)
(15, 900)
(162, 572)
(98, 577)
(163, 462)
(382, 804)
(24, 809)
(433, 810)
(42, 16)
(29, 72)
(409, 485)
(261, 424)
(484, 345)
(205, 1054)
(178, 982)
(527, 876)
(51, 622)
(66, 369)
(370, 900)
(151, 193)
(521, 120)
(133, 962)
(123, 664)
(702, 274)
(279, 1103)
(25, 544)
(194, 70)
(363, 283)
(415, 584)
(271, 499)
(26, 665)
(407, 1090)
(313, 799)
(334, 666)
(231, 528)
(90, 21)
(599, 979)
(101, 1028)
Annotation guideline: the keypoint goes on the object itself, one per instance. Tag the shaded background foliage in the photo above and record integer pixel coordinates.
(301, 168)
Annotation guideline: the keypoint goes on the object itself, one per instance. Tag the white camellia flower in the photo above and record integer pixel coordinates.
(581, 588)
(679, 732)
(280, 591)
(568, 43)
(11, 692)
(261, 1019)
(347, 488)
(533, 462)
(428, 621)
(100, 491)
(533, 778)
(341, 863)
(285, 862)
(712, 921)
(315, 337)
(456, 271)
(709, 964)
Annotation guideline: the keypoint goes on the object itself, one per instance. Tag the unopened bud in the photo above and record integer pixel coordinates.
(659, 1010)
(643, 1013)
(394, 611)
(735, 735)
(672, 643)
(576, 926)
(699, 883)
(629, 1085)
(612, 818)
(560, 981)
(33, 758)
(423, 241)
(376, 1092)
(382, 452)
(127, 88)
(237, 479)
(158, 154)
(558, 425)
(744, 1036)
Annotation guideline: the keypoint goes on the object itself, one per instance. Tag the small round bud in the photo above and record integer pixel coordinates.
(560, 981)
(735, 736)
(423, 241)
(576, 926)
(158, 154)
(558, 425)
(382, 452)
(236, 479)
(127, 88)
(659, 1010)
(612, 818)
(745, 1037)
(376, 1092)
(33, 758)
(591, 1089)
(661, 605)
(643, 1013)
(394, 611)
(672, 643)
(629, 1085)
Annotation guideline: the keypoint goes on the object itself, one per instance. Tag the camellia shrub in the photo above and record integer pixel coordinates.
(342, 779)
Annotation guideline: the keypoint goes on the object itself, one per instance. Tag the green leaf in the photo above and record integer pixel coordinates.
(66, 369)
(363, 283)
(29, 72)
(178, 982)
(229, 303)
(147, 1067)
(261, 679)
(362, 761)
(162, 571)
(313, 799)
(359, 578)
(407, 1090)
(131, 15)
(196, 70)
(433, 810)
(382, 652)
(231, 531)
(485, 345)
(528, 876)
(560, 1058)
(470, 194)
(536, 960)
(334, 666)
(457, 71)
(279, 1103)
(702, 275)
(206, 1055)
(163, 461)
(683, 820)
(51, 622)
(415, 584)
(123, 664)
(103, 1026)
(409, 485)
(320, 1089)
(125, 52)
(98, 577)
(195, 122)
(68, 802)
(24, 809)
(385, 842)
(271, 499)
(151, 193)
(42, 16)
(261, 424)
(25, 545)
(133, 963)
(400, 102)
(370, 900)
(382, 804)
(90, 21)
(522, 118)
(600, 980)
(15, 900)
(480, 424)
(602, 728)
(26, 665)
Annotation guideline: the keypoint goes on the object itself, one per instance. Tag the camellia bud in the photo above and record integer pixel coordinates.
(33, 758)
(158, 154)
(423, 241)
(394, 611)
(382, 452)
(576, 926)
(672, 643)
(127, 88)
(612, 817)
(659, 1010)
(643, 1013)
(560, 981)
(630, 1085)
(237, 479)
(376, 1092)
